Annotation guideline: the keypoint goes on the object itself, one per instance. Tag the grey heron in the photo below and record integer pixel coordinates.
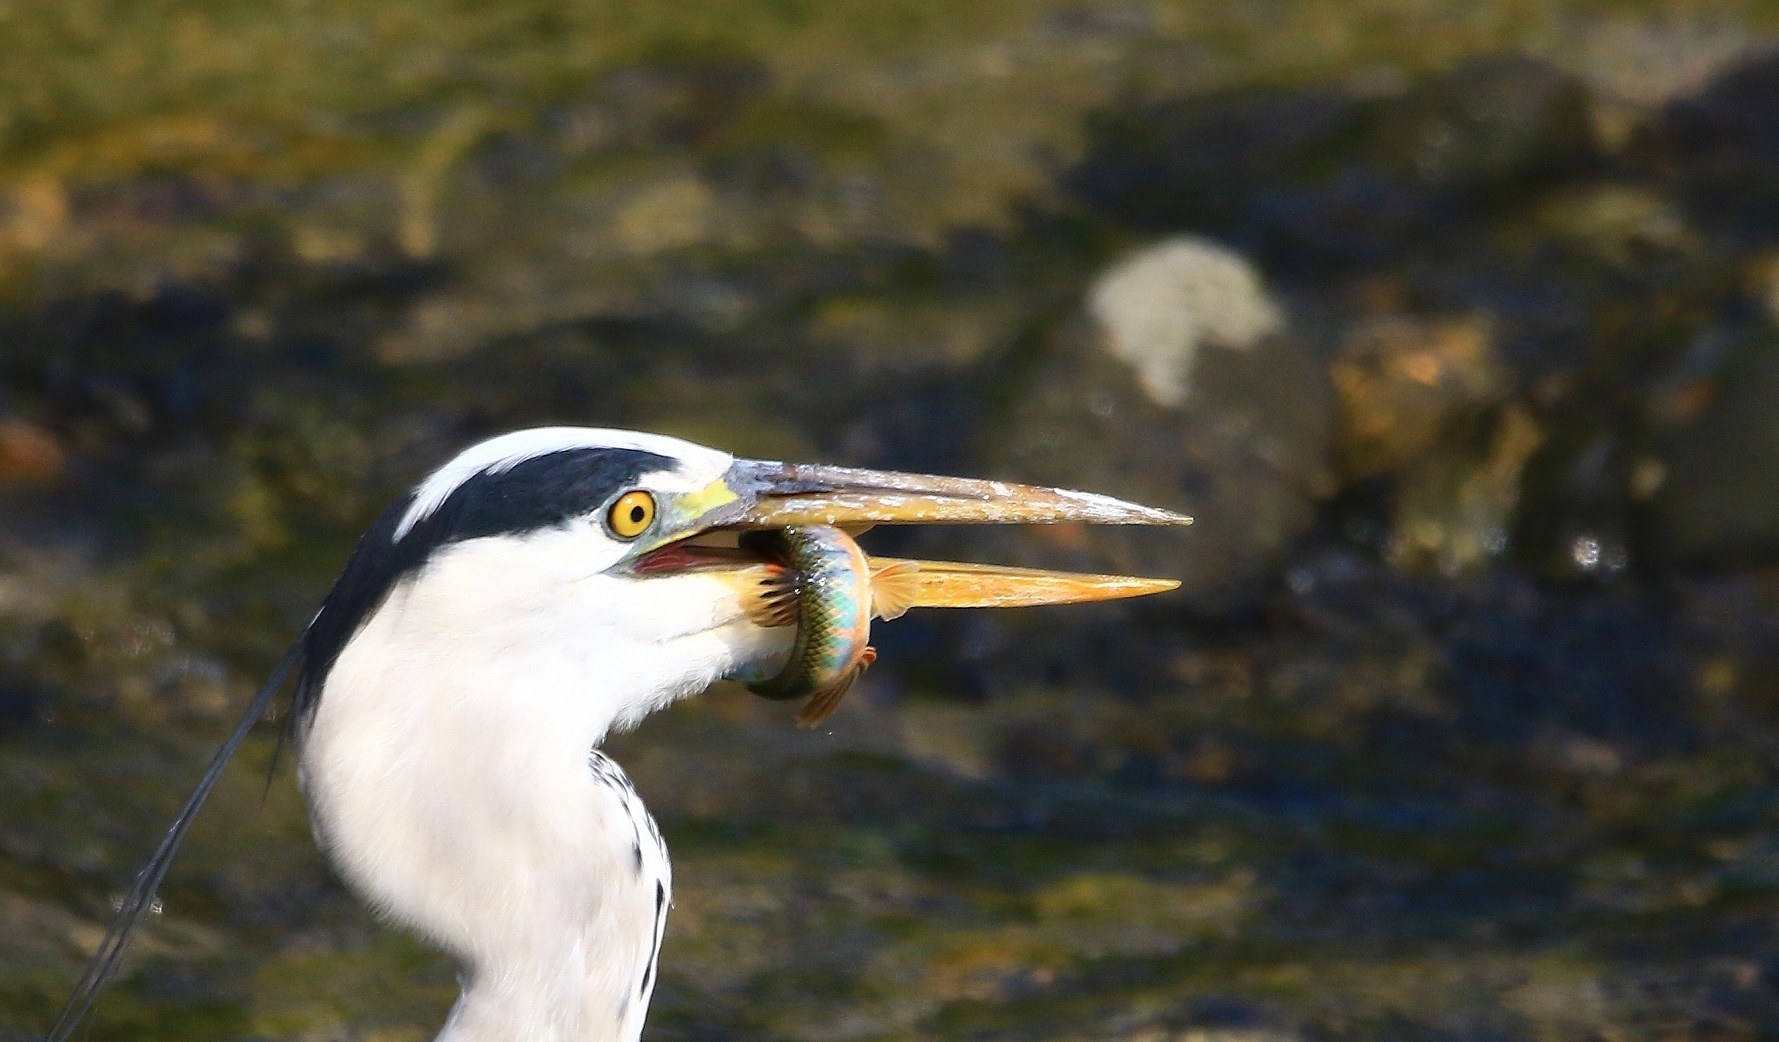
(540, 591)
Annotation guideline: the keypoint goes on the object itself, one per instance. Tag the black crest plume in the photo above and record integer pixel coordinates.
(140, 899)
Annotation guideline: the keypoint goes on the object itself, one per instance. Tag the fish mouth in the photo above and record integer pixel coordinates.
(704, 533)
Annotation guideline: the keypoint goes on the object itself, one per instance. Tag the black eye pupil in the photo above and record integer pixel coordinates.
(635, 515)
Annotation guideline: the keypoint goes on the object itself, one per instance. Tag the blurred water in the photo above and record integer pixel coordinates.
(1462, 727)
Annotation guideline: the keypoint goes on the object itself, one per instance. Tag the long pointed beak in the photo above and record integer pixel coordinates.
(775, 495)
(952, 584)
(757, 494)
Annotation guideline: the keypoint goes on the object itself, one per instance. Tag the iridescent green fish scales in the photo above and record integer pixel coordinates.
(833, 604)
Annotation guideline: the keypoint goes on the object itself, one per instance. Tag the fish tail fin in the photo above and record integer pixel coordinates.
(894, 588)
(822, 704)
(774, 601)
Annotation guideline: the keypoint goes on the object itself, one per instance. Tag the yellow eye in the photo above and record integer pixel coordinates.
(631, 514)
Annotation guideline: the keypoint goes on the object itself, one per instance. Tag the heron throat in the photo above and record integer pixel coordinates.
(453, 775)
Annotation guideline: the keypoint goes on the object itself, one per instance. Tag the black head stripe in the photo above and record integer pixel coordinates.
(534, 494)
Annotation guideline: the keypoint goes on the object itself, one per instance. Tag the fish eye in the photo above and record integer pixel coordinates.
(631, 514)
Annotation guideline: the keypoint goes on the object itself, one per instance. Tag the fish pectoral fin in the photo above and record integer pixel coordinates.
(894, 589)
(822, 704)
(773, 601)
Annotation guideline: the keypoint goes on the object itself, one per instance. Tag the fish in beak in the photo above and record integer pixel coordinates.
(782, 534)
(701, 528)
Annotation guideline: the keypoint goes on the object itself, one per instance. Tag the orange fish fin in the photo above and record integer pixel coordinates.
(774, 601)
(822, 704)
(894, 588)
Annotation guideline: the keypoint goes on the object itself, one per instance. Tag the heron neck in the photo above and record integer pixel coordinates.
(467, 803)
(503, 1012)
(588, 975)
(538, 1004)
(452, 778)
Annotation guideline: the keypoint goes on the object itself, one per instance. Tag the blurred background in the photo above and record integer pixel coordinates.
(1454, 323)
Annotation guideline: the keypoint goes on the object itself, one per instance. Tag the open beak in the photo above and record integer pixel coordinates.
(757, 494)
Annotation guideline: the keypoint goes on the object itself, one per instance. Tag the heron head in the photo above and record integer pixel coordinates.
(560, 551)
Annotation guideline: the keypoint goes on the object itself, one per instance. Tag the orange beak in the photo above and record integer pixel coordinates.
(757, 494)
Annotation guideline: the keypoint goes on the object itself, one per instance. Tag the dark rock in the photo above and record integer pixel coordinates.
(1721, 148)
(1718, 498)
(1491, 126)
(19, 707)
(1423, 421)
(1272, 170)
(1402, 382)
(1319, 178)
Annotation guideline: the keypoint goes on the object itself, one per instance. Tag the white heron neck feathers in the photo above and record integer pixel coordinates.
(447, 768)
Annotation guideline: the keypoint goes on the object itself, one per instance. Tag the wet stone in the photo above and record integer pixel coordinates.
(1402, 382)
(1245, 166)
(1718, 494)
(1321, 178)
(1427, 424)
(1489, 125)
(1720, 146)
(1187, 394)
